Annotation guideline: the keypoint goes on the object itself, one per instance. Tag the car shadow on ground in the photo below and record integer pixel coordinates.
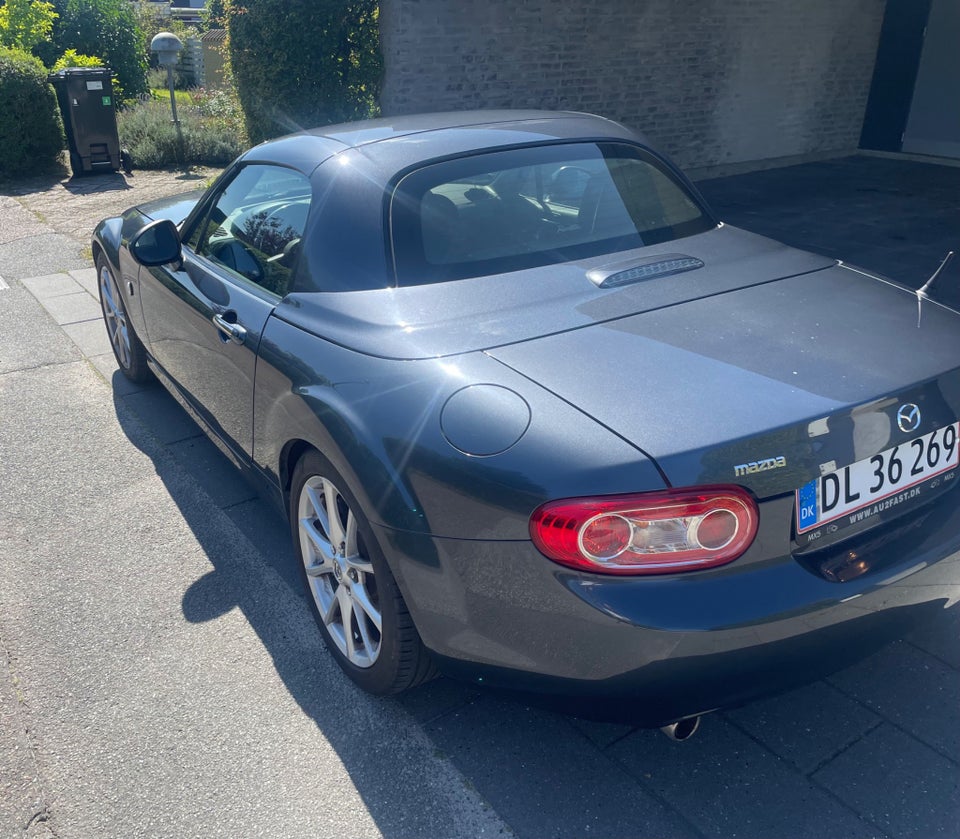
(872, 751)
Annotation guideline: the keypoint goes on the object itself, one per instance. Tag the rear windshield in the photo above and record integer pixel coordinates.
(523, 208)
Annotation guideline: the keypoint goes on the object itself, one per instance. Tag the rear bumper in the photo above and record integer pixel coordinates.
(654, 650)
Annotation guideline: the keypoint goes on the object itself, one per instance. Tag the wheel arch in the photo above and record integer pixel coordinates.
(296, 407)
(292, 452)
(106, 240)
(290, 455)
(296, 447)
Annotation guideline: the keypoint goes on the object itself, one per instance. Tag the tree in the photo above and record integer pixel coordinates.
(214, 15)
(302, 63)
(25, 23)
(105, 28)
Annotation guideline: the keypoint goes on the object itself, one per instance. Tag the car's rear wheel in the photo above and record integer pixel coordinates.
(127, 348)
(354, 597)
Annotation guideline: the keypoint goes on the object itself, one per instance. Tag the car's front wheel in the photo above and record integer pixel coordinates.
(354, 597)
(127, 347)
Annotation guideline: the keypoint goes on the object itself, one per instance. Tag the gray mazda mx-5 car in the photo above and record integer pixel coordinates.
(539, 419)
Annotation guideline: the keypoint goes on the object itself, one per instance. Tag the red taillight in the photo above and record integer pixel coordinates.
(648, 533)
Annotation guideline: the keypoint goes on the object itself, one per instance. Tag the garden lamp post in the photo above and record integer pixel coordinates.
(167, 46)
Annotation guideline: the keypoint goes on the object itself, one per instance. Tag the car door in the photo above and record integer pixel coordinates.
(204, 317)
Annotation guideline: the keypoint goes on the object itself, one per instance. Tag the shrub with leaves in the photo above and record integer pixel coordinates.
(72, 58)
(31, 134)
(157, 79)
(223, 107)
(302, 63)
(105, 28)
(214, 15)
(25, 23)
(148, 133)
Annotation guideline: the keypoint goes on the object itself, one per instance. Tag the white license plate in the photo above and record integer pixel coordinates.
(874, 479)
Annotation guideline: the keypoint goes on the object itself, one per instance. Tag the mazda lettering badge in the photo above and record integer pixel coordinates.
(908, 417)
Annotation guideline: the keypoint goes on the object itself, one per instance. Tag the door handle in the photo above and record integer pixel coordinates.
(229, 331)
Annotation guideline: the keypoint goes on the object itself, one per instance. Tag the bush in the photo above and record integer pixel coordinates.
(31, 134)
(222, 107)
(157, 79)
(106, 28)
(214, 15)
(148, 133)
(302, 63)
(25, 23)
(71, 58)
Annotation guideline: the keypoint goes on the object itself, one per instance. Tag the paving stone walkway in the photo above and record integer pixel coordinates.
(73, 206)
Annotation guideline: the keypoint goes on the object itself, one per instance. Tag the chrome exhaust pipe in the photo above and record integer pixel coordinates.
(682, 729)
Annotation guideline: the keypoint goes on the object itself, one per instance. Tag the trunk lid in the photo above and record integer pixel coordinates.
(769, 387)
(449, 318)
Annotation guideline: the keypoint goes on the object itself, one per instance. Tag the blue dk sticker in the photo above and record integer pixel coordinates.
(807, 514)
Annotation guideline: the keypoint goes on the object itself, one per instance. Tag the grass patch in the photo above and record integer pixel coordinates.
(184, 97)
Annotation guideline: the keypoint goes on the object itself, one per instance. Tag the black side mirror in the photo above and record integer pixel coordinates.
(157, 244)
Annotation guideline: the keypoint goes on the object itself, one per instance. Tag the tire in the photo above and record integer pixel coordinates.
(127, 348)
(343, 571)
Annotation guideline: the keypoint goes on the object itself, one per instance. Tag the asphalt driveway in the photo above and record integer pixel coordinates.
(160, 675)
(893, 216)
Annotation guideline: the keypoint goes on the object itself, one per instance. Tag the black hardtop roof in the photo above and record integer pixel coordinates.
(436, 135)
(550, 124)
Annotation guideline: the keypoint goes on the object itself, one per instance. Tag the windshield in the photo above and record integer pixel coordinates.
(523, 208)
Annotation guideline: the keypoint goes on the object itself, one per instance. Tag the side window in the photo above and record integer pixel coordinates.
(255, 225)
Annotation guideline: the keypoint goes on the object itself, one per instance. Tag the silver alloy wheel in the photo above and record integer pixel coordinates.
(341, 578)
(115, 316)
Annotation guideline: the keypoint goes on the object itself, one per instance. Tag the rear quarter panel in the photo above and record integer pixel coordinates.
(378, 421)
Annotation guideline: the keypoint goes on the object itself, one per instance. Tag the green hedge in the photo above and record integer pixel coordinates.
(302, 63)
(31, 134)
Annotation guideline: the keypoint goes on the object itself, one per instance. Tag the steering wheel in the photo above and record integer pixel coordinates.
(288, 250)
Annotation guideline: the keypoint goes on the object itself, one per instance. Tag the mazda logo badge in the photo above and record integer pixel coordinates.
(908, 417)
